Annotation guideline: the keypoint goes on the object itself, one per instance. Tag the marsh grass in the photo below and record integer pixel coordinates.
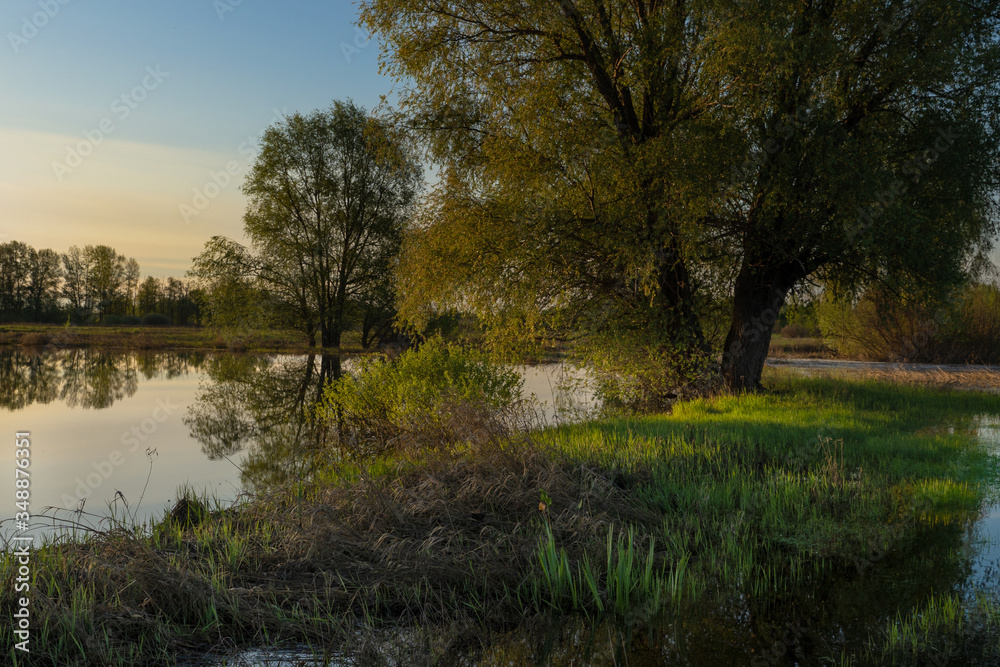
(446, 546)
(945, 629)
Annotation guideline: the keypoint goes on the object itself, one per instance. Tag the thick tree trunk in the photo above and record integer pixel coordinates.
(757, 300)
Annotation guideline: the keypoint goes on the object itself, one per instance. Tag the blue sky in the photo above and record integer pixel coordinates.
(114, 114)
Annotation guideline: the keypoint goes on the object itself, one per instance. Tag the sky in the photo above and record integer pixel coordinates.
(131, 123)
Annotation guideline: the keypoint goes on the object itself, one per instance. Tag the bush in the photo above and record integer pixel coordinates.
(794, 331)
(111, 320)
(131, 321)
(422, 392)
(155, 320)
(34, 339)
(803, 317)
(964, 328)
(638, 367)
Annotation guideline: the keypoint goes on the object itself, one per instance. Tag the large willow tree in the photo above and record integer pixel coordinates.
(617, 165)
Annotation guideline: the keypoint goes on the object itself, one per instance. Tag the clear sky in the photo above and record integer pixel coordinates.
(115, 113)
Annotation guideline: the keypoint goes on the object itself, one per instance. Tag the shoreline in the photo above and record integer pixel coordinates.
(636, 521)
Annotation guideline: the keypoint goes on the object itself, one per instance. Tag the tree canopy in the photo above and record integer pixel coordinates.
(630, 167)
(328, 196)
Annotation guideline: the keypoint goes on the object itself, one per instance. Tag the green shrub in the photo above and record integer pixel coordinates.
(155, 320)
(639, 367)
(131, 320)
(802, 316)
(111, 320)
(428, 391)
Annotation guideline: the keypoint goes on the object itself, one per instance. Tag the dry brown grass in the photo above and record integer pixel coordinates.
(33, 339)
(446, 535)
(972, 379)
(450, 518)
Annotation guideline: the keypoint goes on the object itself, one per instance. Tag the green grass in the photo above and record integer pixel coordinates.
(643, 520)
(815, 471)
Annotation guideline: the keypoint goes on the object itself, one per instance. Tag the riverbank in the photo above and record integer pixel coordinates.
(33, 336)
(721, 525)
(940, 376)
(52, 336)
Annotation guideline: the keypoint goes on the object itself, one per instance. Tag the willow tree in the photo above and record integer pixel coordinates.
(571, 142)
(328, 196)
(869, 155)
(621, 163)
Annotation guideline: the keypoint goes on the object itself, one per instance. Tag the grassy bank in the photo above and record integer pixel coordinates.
(719, 525)
(37, 336)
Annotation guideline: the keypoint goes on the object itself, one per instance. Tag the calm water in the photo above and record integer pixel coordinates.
(102, 423)
(124, 431)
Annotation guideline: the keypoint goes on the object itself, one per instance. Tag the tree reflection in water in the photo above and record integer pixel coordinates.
(264, 406)
(83, 378)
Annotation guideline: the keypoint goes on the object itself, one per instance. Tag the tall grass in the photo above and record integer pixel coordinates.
(627, 580)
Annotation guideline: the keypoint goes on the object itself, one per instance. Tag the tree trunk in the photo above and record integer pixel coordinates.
(758, 298)
(331, 336)
(676, 297)
(366, 329)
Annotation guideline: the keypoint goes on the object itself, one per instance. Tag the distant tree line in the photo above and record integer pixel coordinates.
(92, 285)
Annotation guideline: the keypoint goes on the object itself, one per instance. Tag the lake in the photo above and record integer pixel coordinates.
(123, 431)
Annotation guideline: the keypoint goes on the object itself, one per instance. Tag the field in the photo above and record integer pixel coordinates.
(801, 348)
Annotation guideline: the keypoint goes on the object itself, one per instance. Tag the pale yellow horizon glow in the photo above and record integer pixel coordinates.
(123, 194)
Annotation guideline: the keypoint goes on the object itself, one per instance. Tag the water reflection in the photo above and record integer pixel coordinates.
(90, 379)
(263, 406)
